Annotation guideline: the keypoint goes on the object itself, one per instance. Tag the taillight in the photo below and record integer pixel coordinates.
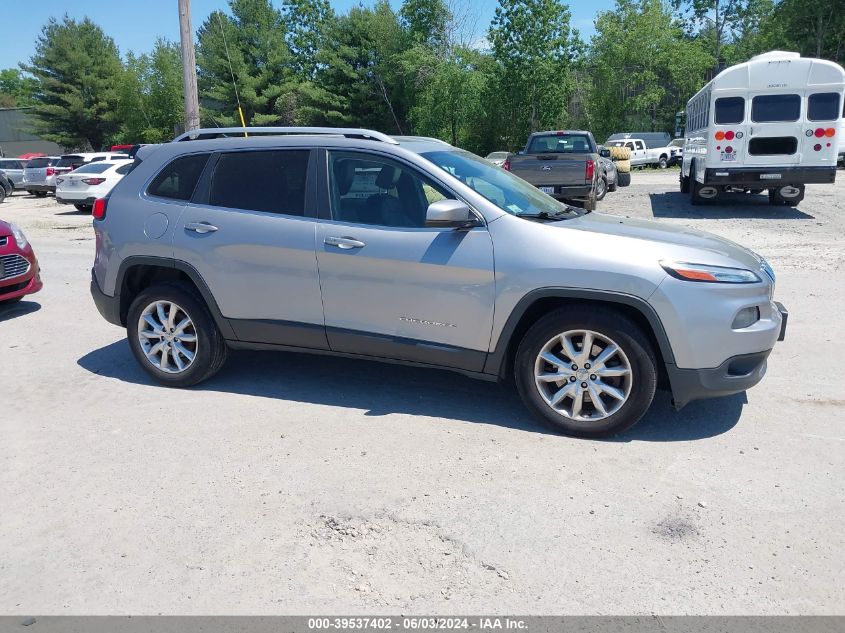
(819, 132)
(51, 171)
(720, 136)
(507, 164)
(99, 210)
(589, 170)
(830, 132)
(729, 135)
(93, 181)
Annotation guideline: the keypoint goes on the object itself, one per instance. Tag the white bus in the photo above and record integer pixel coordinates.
(769, 123)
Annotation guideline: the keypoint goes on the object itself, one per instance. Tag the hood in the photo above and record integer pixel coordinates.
(670, 241)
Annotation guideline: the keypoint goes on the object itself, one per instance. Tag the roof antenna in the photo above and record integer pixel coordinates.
(231, 72)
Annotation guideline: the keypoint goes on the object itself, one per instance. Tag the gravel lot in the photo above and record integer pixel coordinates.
(292, 484)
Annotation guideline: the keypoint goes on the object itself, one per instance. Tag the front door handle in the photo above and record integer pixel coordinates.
(200, 227)
(345, 243)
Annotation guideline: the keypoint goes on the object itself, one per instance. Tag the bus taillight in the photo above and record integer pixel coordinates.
(830, 132)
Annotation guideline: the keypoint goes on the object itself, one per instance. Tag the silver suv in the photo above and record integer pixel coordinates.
(409, 250)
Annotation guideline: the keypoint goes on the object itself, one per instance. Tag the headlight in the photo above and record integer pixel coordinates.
(20, 238)
(709, 274)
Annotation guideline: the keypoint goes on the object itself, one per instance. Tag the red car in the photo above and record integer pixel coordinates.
(19, 270)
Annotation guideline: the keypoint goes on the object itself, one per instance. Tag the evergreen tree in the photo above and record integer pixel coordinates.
(77, 69)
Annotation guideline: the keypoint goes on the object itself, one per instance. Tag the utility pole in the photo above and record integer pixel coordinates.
(189, 67)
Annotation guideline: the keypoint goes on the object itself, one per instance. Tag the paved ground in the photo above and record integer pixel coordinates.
(292, 484)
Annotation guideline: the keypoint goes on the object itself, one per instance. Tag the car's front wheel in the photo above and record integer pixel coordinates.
(586, 371)
(173, 336)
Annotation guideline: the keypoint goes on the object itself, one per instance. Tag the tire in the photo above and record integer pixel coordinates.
(40, 194)
(684, 181)
(2, 194)
(591, 203)
(624, 178)
(696, 189)
(776, 199)
(606, 326)
(601, 188)
(611, 187)
(623, 166)
(209, 348)
(620, 153)
(663, 162)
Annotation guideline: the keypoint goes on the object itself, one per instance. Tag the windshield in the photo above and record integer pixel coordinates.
(508, 192)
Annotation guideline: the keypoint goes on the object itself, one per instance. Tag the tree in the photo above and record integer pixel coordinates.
(243, 57)
(307, 24)
(643, 68)
(724, 20)
(815, 29)
(77, 69)
(16, 89)
(150, 95)
(426, 22)
(533, 48)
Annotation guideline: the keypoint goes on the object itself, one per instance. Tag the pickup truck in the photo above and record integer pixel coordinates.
(563, 164)
(642, 154)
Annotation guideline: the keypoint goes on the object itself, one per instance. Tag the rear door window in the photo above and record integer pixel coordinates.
(823, 106)
(729, 110)
(775, 108)
(271, 181)
(179, 178)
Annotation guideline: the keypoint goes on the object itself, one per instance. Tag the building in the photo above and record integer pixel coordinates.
(17, 139)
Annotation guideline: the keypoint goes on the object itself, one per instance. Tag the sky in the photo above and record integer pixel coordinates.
(135, 24)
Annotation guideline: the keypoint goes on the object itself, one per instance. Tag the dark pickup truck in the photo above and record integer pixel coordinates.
(563, 164)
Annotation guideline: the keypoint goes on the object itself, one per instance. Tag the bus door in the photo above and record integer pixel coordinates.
(775, 128)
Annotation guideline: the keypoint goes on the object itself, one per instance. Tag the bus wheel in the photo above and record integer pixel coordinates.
(789, 195)
(700, 193)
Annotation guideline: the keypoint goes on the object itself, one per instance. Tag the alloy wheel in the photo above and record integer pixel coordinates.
(167, 337)
(583, 375)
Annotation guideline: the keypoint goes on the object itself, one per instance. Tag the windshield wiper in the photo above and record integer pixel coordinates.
(547, 215)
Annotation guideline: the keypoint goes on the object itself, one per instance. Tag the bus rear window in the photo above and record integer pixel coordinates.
(823, 106)
(730, 110)
(775, 108)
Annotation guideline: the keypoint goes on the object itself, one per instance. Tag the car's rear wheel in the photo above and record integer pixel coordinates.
(586, 370)
(601, 188)
(173, 335)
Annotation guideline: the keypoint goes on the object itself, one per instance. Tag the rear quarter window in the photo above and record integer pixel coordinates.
(775, 108)
(823, 106)
(179, 177)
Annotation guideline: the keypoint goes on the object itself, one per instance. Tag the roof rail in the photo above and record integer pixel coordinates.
(217, 132)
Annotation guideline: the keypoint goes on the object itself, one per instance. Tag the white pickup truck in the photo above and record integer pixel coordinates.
(642, 155)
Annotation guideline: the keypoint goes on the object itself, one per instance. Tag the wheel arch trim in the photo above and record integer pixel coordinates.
(498, 356)
(193, 274)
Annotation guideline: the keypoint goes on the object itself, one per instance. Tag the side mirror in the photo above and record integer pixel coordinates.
(604, 152)
(449, 213)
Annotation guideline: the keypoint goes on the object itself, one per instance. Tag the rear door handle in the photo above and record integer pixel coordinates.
(345, 243)
(200, 227)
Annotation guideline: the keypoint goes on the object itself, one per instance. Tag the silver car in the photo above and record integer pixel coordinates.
(351, 242)
(497, 158)
(13, 168)
(39, 175)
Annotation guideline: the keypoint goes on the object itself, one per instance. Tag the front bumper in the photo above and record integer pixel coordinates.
(765, 177)
(108, 307)
(735, 375)
(26, 284)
